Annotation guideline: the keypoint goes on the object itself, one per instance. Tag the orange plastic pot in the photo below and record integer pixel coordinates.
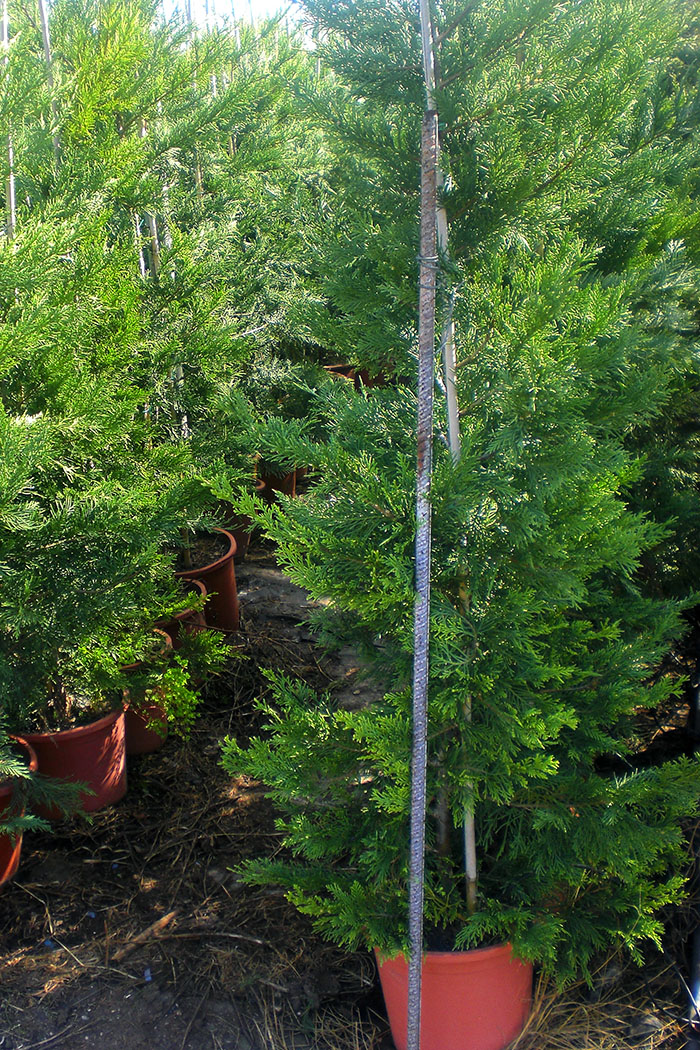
(219, 578)
(475, 1000)
(146, 728)
(189, 621)
(94, 754)
(146, 725)
(240, 525)
(274, 483)
(358, 376)
(11, 845)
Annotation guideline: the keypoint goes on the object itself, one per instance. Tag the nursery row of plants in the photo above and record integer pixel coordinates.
(209, 281)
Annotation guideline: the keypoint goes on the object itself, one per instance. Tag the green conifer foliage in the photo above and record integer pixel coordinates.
(540, 623)
(98, 480)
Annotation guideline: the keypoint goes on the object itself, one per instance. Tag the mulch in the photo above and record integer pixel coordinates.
(132, 929)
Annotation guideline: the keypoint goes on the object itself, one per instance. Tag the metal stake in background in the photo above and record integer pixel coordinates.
(421, 628)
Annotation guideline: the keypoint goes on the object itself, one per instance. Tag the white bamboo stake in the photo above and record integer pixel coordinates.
(11, 192)
(449, 359)
(152, 222)
(11, 217)
(209, 21)
(236, 28)
(192, 33)
(139, 246)
(43, 17)
(448, 334)
(178, 375)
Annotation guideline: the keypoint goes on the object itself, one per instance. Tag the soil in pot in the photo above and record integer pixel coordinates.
(211, 556)
(11, 845)
(93, 754)
(475, 1000)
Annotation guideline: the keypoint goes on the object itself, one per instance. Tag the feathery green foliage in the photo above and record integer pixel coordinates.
(569, 277)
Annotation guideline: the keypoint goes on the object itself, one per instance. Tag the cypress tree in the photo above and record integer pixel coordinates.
(540, 620)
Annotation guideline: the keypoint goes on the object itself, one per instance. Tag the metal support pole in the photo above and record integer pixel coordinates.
(421, 632)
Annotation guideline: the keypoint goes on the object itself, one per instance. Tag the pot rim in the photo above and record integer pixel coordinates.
(504, 948)
(339, 366)
(75, 731)
(136, 709)
(167, 644)
(7, 786)
(160, 625)
(190, 574)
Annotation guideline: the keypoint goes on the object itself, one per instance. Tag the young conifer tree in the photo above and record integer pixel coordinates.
(539, 622)
(92, 492)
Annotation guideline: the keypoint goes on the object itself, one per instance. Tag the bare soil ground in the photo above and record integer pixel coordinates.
(132, 930)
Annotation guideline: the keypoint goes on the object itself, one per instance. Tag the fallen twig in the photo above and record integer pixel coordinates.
(151, 931)
(191, 934)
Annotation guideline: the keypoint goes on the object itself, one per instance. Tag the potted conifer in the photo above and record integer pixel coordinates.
(88, 510)
(18, 762)
(22, 790)
(544, 645)
(112, 304)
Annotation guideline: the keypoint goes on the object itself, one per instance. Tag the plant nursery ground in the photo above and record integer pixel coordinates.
(132, 930)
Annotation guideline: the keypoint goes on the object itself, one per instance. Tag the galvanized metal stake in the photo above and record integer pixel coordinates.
(421, 628)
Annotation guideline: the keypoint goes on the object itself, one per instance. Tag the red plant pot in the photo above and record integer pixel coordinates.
(11, 845)
(239, 526)
(274, 483)
(94, 754)
(358, 376)
(239, 530)
(474, 1000)
(146, 725)
(189, 621)
(146, 728)
(219, 578)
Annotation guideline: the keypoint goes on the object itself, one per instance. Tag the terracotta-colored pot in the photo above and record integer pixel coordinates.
(166, 640)
(358, 376)
(146, 725)
(11, 845)
(475, 1000)
(274, 483)
(219, 578)
(189, 621)
(146, 728)
(94, 754)
(239, 525)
